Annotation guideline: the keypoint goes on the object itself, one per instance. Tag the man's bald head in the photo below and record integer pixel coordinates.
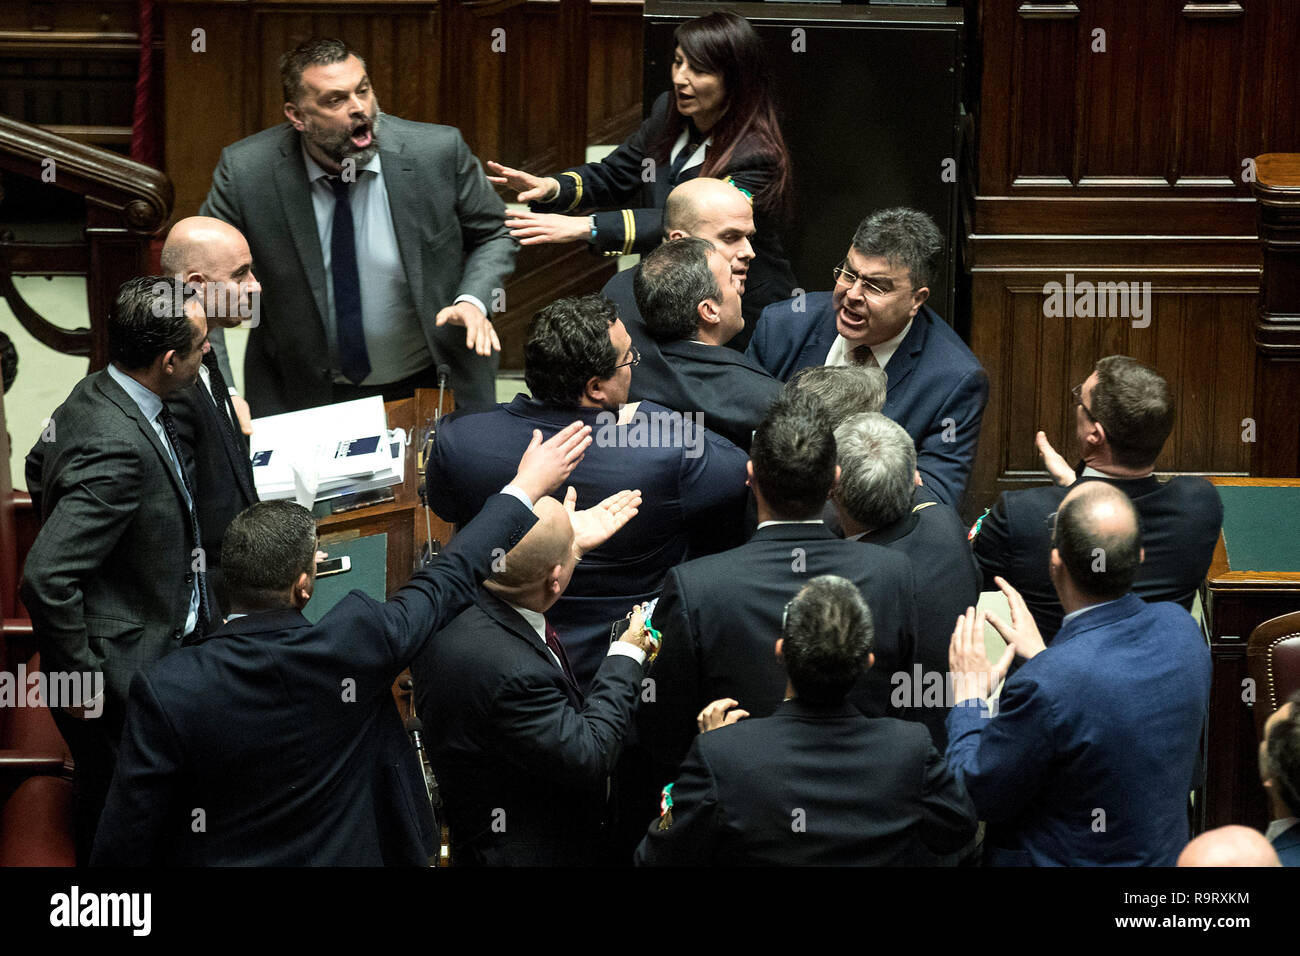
(1229, 846)
(1098, 540)
(531, 563)
(717, 212)
(214, 256)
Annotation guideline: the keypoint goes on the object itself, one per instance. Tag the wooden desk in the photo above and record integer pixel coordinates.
(1236, 600)
(401, 519)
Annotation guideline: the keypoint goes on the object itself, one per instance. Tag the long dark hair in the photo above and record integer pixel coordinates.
(726, 44)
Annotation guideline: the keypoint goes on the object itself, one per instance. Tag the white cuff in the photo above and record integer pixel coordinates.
(627, 650)
(474, 301)
(516, 492)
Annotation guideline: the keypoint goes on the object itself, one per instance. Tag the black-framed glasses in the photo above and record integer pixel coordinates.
(1077, 394)
(843, 274)
(633, 361)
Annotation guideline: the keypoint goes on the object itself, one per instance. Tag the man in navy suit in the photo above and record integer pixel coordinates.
(1096, 740)
(876, 315)
(273, 741)
(877, 504)
(692, 309)
(522, 758)
(816, 783)
(1124, 411)
(718, 613)
(1279, 769)
(578, 363)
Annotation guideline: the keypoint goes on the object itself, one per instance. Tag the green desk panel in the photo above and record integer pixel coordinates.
(369, 574)
(1261, 527)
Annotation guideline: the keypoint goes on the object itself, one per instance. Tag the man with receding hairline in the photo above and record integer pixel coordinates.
(1229, 846)
(1096, 740)
(521, 756)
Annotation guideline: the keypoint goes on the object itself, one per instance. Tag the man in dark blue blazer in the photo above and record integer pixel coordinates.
(522, 757)
(275, 741)
(876, 315)
(1279, 768)
(691, 308)
(1124, 411)
(817, 782)
(578, 362)
(877, 504)
(1096, 741)
(718, 614)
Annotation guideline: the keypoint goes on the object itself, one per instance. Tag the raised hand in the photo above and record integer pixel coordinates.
(535, 228)
(547, 464)
(596, 525)
(1055, 464)
(718, 714)
(1022, 633)
(972, 674)
(527, 186)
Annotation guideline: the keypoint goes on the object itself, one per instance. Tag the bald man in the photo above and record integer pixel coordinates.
(1229, 846)
(211, 258)
(714, 210)
(522, 759)
(1096, 740)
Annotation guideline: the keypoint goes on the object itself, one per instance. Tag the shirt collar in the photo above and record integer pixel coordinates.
(764, 524)
(1090, 472)
(148, 401)
(315, 171)
(1083, 610)
(842, 348)
(536, 620)
(1278, 827)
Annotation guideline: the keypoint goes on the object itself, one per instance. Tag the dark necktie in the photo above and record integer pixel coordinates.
(862, 355)
(353, 360)
(553, 642)
(169, 426)
(686, 152)
(221, 395)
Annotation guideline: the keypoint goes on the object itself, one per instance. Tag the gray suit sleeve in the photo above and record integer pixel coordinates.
(222, 203)
(490, 252)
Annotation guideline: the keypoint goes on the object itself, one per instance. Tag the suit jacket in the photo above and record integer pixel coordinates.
(284, 733)
(947, 582)
(451, 234)
(1179, 519)
(221, 469)
(108, 581)
(812, 786)
(618, 182)
(686, 492)
(1287, 845)
(1092, 754)
(521, 758)
(720, 617)
(936, 390)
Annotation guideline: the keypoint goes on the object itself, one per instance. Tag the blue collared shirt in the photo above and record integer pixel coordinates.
(151, 406)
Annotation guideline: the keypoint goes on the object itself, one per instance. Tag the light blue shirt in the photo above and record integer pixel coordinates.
(395, 341)
(151, 406)
(1083, 610)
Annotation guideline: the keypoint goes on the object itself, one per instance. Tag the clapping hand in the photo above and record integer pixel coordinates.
(973, 675)
(1022, 633)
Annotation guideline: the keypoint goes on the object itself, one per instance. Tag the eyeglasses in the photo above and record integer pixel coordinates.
(1051, 527)
(785, 614)
(847, 277)
(634, 361)
(1077, 393)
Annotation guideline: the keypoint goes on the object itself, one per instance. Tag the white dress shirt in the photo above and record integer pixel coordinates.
(841, 352)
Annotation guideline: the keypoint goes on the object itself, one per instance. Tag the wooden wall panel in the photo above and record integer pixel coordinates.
(614, 71)
(1043, 87)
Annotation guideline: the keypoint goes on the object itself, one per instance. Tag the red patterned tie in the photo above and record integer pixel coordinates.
(553, 642)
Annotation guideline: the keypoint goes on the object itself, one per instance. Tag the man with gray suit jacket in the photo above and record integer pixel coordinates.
(373, 236)
(112, 582)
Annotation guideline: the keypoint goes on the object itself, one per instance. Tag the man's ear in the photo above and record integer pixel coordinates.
(1142, 555)
(302, 589)
(292, 114)
(553, 580)
(708, 311)
(677, 234)
(918, 298)
(749, 472)
(594, 390)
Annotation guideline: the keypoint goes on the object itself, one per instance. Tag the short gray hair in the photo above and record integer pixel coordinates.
(877, 469)
(828, 634)
(902, 236)
(845, 390)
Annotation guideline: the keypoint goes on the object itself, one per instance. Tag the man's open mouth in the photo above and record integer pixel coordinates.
(362, 136)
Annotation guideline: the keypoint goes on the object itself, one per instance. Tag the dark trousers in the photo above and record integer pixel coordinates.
(94, 744)
(391, 391)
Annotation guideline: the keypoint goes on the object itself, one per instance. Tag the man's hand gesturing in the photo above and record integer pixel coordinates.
(546, 465)
(594, 526)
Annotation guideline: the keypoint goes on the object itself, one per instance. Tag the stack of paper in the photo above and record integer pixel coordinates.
(325, 452)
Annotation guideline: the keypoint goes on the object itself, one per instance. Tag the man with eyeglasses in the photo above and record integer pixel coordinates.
(1124, 412)
(876, 316)
(578, 362)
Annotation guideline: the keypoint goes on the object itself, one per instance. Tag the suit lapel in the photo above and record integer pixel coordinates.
(295, 202)
(230, 441)
(512, 621)
(118, 396)
(904, 360)
(403, 198)
(818, 344)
